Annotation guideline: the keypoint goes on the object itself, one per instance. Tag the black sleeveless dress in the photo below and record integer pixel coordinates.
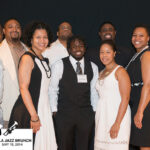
(139, 137)
(44, 139)
(19, 111)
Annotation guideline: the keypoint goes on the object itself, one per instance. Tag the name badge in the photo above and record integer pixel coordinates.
(82, 78)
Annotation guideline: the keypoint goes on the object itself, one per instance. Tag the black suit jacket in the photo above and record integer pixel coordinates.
(123, 56)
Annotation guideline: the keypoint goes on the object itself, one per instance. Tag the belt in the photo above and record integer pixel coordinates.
(137, 84)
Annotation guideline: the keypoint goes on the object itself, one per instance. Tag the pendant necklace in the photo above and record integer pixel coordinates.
(110, 70)
(101, 80)
(47, 71)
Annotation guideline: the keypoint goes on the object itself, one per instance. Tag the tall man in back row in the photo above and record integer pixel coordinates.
(58, 49)
(73, 97)
(107, 30)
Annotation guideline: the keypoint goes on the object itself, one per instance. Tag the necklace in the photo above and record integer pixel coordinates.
(105, 72)
(103, 75)
(110, 70)
(47, 70)
(135, 56)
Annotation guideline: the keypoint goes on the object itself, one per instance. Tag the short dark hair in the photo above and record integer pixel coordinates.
(76, 37)
(106, 22)
(11, 19)
(110, 43)
(145, 26)
(30, 29)
(62, 23)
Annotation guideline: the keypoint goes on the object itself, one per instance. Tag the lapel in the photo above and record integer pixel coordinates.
(8, 62)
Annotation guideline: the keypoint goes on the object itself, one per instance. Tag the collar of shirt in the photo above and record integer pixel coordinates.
(74, 61)
(57, 42)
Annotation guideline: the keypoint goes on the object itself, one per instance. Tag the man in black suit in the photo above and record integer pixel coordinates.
(108, 31)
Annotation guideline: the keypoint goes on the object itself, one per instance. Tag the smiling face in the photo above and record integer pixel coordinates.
(140, 38)
(40, 40)
(107, 32)
(77, 49)
(107, 54)
(12, 30)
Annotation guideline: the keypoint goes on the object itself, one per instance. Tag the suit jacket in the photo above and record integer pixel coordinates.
(123, 56)
(11, 86)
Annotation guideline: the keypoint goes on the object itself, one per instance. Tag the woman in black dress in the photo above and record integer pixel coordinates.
(32, 108)
(139, 72)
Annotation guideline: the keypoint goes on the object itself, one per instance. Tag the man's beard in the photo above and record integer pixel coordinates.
(65, 38)
(16, 38)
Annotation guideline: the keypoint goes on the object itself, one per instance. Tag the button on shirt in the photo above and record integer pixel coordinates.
(57, 72)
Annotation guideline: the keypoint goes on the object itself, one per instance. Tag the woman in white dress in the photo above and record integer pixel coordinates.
(113, 119)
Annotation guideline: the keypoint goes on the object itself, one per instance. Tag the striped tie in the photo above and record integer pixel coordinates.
(78, 69)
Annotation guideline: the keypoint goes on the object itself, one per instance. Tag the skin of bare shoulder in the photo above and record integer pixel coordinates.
(25, 68)
(120, 72)
(124, 81)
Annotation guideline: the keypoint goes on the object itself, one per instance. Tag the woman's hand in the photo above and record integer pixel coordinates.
(138, 119)
(114, 130)
(35, 124)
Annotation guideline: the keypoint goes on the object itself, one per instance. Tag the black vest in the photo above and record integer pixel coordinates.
(73, 95)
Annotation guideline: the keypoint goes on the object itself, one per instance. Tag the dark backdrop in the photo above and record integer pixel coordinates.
(85, 16)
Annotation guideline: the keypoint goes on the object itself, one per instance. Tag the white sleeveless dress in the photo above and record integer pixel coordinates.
(106, 113)
(45, 137)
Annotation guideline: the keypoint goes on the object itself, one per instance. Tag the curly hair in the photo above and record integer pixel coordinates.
(30, 29)
(75, 37)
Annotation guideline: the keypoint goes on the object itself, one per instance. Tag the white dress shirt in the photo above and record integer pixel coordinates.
(57, 72)
(55, 52)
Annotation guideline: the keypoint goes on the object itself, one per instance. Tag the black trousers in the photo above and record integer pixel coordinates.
(91, 143)
(131, 147)
(74, 129)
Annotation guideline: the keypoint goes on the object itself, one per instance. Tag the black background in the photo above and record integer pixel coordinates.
(85, 16)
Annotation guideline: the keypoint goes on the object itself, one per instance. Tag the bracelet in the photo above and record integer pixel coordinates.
(35, 120)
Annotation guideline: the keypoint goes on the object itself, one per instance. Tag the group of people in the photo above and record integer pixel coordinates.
(57, 90)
